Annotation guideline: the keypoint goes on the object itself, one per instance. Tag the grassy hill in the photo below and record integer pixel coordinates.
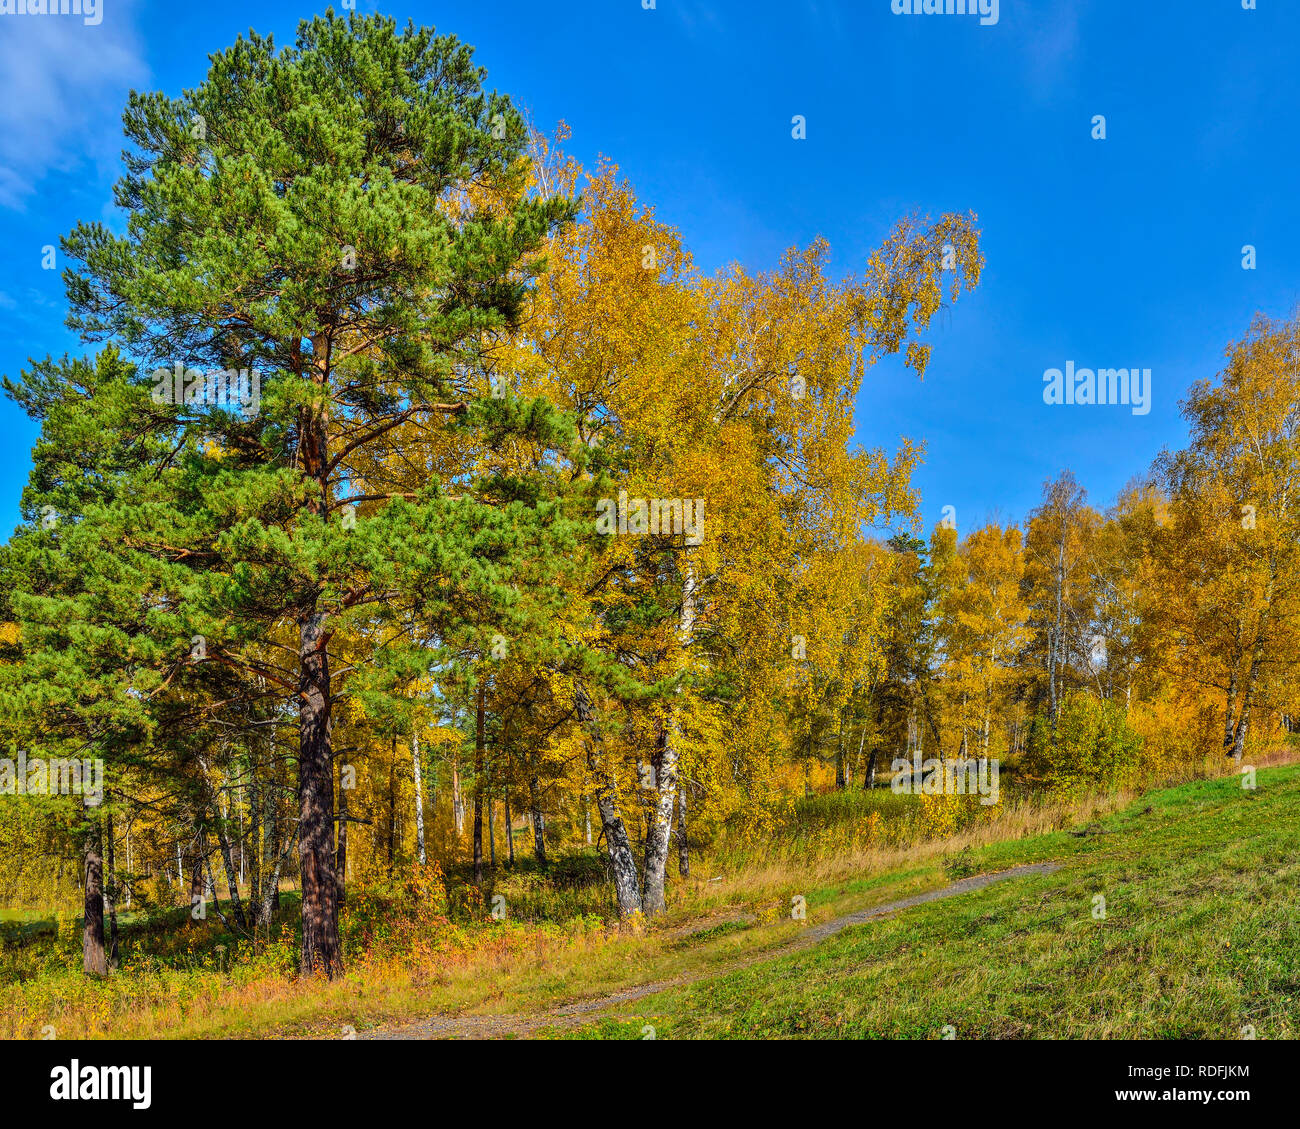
(1199, 937)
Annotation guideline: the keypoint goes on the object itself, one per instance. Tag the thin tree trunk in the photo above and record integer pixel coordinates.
(659, 832)
(212, 885)
(478, 787)
(627, 888)
(988, 703)
(510, 828)
(1247, 699)
(276, 841)
(392, 806)
(271, 893)
(1232, 703)
(683, 848)
(255, 837)
(535, 814)
(933, 723)
(341, 841)
(223, 842)
(1055, 635)
(232, 883)
(275, 886)
(419, 799)
(457, 802)
(196, 863)
(840, 779)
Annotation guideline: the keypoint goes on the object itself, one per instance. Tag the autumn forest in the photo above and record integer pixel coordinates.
(431, 579)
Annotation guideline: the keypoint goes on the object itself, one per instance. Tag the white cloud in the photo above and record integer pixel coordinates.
(63, 85)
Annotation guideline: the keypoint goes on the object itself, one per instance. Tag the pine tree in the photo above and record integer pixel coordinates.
(343, 223)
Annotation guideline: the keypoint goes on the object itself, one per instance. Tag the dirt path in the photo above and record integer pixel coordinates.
(571, 1015)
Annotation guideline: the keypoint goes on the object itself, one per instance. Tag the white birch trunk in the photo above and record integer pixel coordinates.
(419, 798)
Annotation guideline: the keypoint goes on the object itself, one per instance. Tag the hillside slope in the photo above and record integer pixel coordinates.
(1198, 937)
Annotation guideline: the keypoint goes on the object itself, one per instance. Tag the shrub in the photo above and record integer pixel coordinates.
(156, 892)
(1093, 747)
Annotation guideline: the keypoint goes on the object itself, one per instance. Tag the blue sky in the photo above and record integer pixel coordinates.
(1124, 252)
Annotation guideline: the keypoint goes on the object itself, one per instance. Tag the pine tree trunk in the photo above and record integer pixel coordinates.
(94, 959)
(321, 951)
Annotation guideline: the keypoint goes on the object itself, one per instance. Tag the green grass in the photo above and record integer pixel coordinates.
(1201, 937)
